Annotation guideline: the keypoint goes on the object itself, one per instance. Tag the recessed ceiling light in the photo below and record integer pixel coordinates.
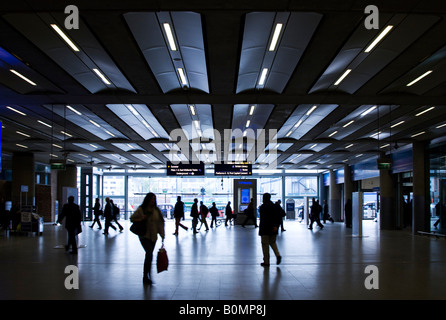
(348, 123)
(64, 37)
(396, 124)
(311, 110)
(342, 77)
(384, 146)
(263, 76)
(418, 134)
(441, 126)
(182, 76)
(18, 74)
(251, 110)
(15, 110)
(275, 37)
(169, 35)
(298, 123)
(45, 124)
(21, 145)
(349, 146)
(74, 110)
(96, 124)
(378, 39)
(419, 78)
(424, 111)
(66, 134)
(368, 111)
(333, 133)
(23, 134)
(100, 75)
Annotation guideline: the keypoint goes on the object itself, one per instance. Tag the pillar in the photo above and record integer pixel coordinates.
(420, 203)
(388, 212)
(23, 178)
(335, 201)
(348, 183)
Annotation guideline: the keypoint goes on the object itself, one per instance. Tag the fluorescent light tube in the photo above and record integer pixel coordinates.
(15, 110)
(169, 35)
(18, 74)
(311, 110)
(263, 76)
(21, 145)
(378, 39)
(92, 122)
(248, 122)
(100, 75)
(133, 110)
(251, 110)
(192, 110)
(428, 109)
(441, 126)
(419, 78)
(332, 134)
(396, 124)
(343, 76)
(298, 123)
(23, 134)
(182, 76)
(64, 37)
(350, 145)
(368, 111)
(348, 123)
(45, 124)
(418, 134)
(275, 37)
(74, 110)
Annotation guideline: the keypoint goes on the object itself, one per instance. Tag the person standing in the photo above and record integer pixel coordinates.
(108, 215)
(72, 214)
(250, 214)
(194, 214)
(178, 213)
(282, 214)
(148, 211)
(268, 229)
(326, 214)
(214, 214)
(228, 213)
(348, 213)
(97, 214)
(315, 213)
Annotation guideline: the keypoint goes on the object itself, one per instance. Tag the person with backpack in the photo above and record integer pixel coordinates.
(203, 213)
(214, 214)
(116, 215)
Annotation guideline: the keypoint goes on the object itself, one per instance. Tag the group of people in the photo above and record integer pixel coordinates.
(315, 214)
(110, 213)
(270, 221)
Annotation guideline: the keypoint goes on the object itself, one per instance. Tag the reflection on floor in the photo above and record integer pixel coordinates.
(224, 264)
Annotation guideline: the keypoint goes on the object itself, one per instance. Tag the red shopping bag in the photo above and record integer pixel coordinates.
(162, 262)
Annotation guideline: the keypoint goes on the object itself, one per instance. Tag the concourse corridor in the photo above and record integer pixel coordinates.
(224, 264)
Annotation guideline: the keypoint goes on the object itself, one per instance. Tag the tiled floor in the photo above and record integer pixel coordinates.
(224, 264)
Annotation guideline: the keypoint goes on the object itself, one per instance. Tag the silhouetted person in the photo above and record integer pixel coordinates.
(97, 214)
(214, 214)
(326, 214)
(72, 214)
(282, 214)
(348, 213)
(438, 208)
(228, 213)
(108, 215)
(178, 213)
(250, 214)
(268, 229)
(148, 211)
(203, 214)
(315, 213)
(194, 214)
(115, 215)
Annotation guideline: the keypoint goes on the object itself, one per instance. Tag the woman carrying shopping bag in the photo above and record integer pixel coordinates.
(149, 212)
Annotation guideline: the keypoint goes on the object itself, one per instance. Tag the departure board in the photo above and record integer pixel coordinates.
(185, 169)
(233, 169)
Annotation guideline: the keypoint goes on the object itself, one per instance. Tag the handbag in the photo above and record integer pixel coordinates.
(162, 261)
(139, 228)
